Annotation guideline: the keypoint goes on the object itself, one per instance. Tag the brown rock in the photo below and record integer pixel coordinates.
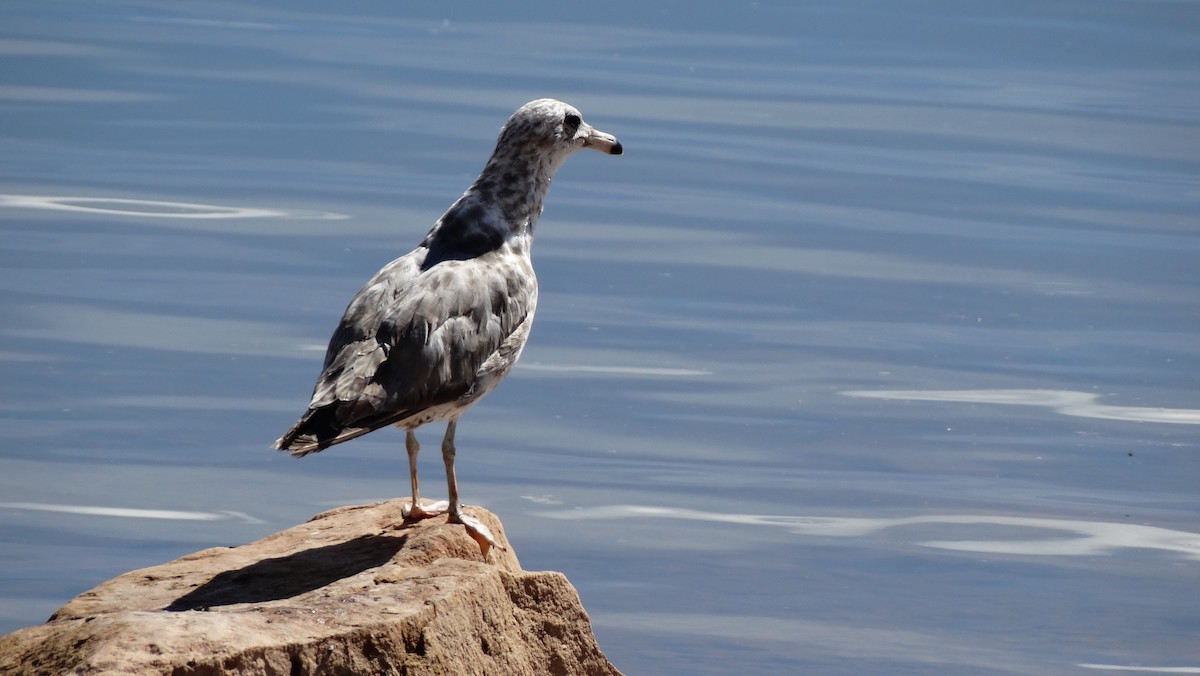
(353, 591)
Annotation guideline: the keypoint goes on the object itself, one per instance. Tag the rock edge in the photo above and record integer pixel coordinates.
(352, 591)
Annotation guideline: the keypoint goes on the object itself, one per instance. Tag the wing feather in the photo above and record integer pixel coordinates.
(413, 339)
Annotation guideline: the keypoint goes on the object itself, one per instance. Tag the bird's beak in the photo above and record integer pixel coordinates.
(605, 143)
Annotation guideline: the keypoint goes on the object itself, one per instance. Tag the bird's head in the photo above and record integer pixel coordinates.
(553, 128)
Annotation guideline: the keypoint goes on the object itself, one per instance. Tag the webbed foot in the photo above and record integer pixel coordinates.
(414, 511)
(478, 532)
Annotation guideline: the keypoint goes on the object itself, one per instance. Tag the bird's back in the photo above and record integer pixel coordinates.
(414, 345)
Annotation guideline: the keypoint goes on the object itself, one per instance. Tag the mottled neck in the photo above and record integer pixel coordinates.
(516, 184)
(502, 206)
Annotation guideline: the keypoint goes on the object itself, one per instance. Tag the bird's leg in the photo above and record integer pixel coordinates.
(448, 452)
(478, 532)
(415, 510)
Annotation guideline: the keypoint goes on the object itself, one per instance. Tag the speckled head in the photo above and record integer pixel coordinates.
(533, 144)
(553, 128)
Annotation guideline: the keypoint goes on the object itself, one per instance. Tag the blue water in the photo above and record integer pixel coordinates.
(878, 352)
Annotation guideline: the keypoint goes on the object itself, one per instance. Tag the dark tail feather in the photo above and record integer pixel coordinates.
(316, 430)
(319, 429)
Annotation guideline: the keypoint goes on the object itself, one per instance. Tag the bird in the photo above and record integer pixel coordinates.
(439, 327)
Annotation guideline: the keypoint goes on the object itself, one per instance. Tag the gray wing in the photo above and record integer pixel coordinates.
(413, 339)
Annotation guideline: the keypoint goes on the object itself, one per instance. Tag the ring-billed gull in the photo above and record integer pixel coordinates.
(438, 328)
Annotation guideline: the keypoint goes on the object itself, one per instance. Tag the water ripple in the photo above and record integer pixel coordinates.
(157, 208)
(1078, 538)
(1066, 402)
(130, 512)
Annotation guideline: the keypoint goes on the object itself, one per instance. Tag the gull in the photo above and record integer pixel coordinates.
(439, 327)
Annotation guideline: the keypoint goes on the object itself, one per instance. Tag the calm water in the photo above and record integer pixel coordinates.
(877, 353)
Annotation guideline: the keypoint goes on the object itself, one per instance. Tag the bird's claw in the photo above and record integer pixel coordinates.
(475, 528)
(416, 511)
(478, 532)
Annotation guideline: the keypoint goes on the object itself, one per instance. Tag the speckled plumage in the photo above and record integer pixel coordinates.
(438, 328)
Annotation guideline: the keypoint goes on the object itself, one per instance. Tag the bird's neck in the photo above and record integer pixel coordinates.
(516, 184)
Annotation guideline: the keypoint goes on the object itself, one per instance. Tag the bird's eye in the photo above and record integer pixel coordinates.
(571, 122)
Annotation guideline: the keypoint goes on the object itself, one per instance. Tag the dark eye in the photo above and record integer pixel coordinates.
(571, 122)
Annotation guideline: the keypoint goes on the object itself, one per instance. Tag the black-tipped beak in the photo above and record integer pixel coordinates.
(606, 143)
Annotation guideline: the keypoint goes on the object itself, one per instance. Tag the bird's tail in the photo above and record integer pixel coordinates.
(317, 430)
(297, 445)
(297, 442)
(314, 431)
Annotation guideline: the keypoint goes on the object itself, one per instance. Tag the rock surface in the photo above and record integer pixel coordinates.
(353, 591)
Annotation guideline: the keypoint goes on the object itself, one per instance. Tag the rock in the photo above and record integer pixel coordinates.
(353, 591)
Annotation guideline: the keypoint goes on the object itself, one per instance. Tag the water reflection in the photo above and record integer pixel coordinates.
(1069, 537)
(1148, 670)
(130, 512)
(157, 331)
(1066, 402)
(116, 206)
(604, 370)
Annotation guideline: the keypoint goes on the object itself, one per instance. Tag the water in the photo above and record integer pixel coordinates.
(876, 353)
